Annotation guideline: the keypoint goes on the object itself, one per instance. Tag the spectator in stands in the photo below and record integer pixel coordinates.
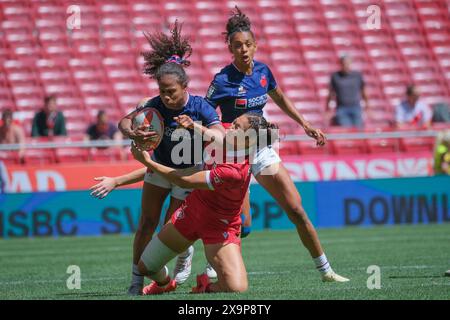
(411, 111)
(49, 121)
(347, 87)
(11, 133)
(103, 129)
(441, 112)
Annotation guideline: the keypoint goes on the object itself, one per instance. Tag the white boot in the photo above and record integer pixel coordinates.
(210, 272)
(183, 266)
(332, 276)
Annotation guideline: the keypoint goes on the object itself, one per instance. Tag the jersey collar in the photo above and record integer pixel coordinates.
(188, 98)
(237, 69)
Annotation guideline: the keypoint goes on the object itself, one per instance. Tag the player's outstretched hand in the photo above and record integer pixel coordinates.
(142, 135)
(140, 155)
(316, 134)
(103, 188)
(184, 121)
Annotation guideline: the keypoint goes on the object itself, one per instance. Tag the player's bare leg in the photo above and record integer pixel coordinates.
(245, 230)
(246, 211)
(229, 265)
(152, 200)
(280, 185)
(161, 249)
(183, 266)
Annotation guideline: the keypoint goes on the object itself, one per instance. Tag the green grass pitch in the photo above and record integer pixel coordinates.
(412, 260)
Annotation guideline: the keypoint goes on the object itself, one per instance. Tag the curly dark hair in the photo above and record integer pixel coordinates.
(165, 47)
(238, 22)
(262, 126)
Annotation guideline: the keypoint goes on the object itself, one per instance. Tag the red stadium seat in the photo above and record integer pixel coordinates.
(310, 148)
(39, 156)
(64, 155)
(417, 144)
(378, 146)
(348, 146)
(288, 148)
(104, 155)
(100, 102)
(76, 127)
(65, 103)
(9, 157)
(17, 11)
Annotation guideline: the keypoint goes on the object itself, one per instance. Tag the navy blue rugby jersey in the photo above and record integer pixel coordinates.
(198, 110)
(237, 93)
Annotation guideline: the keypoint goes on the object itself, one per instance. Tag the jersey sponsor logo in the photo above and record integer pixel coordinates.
(180, 214)
(263, 81)
(259, 101)
(241, 91)
(175, 134)
(217, 180)
(240, 103)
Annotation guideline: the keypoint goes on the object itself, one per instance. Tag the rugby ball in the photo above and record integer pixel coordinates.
(153, 121)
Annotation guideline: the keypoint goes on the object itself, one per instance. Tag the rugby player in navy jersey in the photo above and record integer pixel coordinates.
(165, 63)
(244, 86)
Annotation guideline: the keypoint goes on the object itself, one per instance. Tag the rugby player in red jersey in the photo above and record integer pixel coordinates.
(210, 213)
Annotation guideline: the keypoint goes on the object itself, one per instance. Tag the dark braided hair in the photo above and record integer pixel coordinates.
(164, 48)
(261, 126)
(238, 22)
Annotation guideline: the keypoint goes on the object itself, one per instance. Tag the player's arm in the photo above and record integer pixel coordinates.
(140, 135)
(214, 132)
(331, 95)
(108, 184)
(287, 106)
(197, 180)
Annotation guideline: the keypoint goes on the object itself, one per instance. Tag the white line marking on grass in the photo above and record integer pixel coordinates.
(254, 273)
(383, 287)
(51, 252)
(57, 281)
(382, 239)
(399, 267)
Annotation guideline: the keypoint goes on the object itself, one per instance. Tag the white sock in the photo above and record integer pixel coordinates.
(322, 264)
(136, 277)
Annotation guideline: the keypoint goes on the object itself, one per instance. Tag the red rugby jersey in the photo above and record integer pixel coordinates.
(228, 183)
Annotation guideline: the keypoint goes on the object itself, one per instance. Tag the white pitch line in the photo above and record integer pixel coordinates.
(57, 281)
(50, 252)
(251, 273)
(398, 267)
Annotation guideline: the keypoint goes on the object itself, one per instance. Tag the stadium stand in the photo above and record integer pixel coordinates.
(99, 66)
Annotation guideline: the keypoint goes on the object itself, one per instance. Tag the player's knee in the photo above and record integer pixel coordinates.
(237, 286)
(235, 283)
(298, 215)
(148, 224)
